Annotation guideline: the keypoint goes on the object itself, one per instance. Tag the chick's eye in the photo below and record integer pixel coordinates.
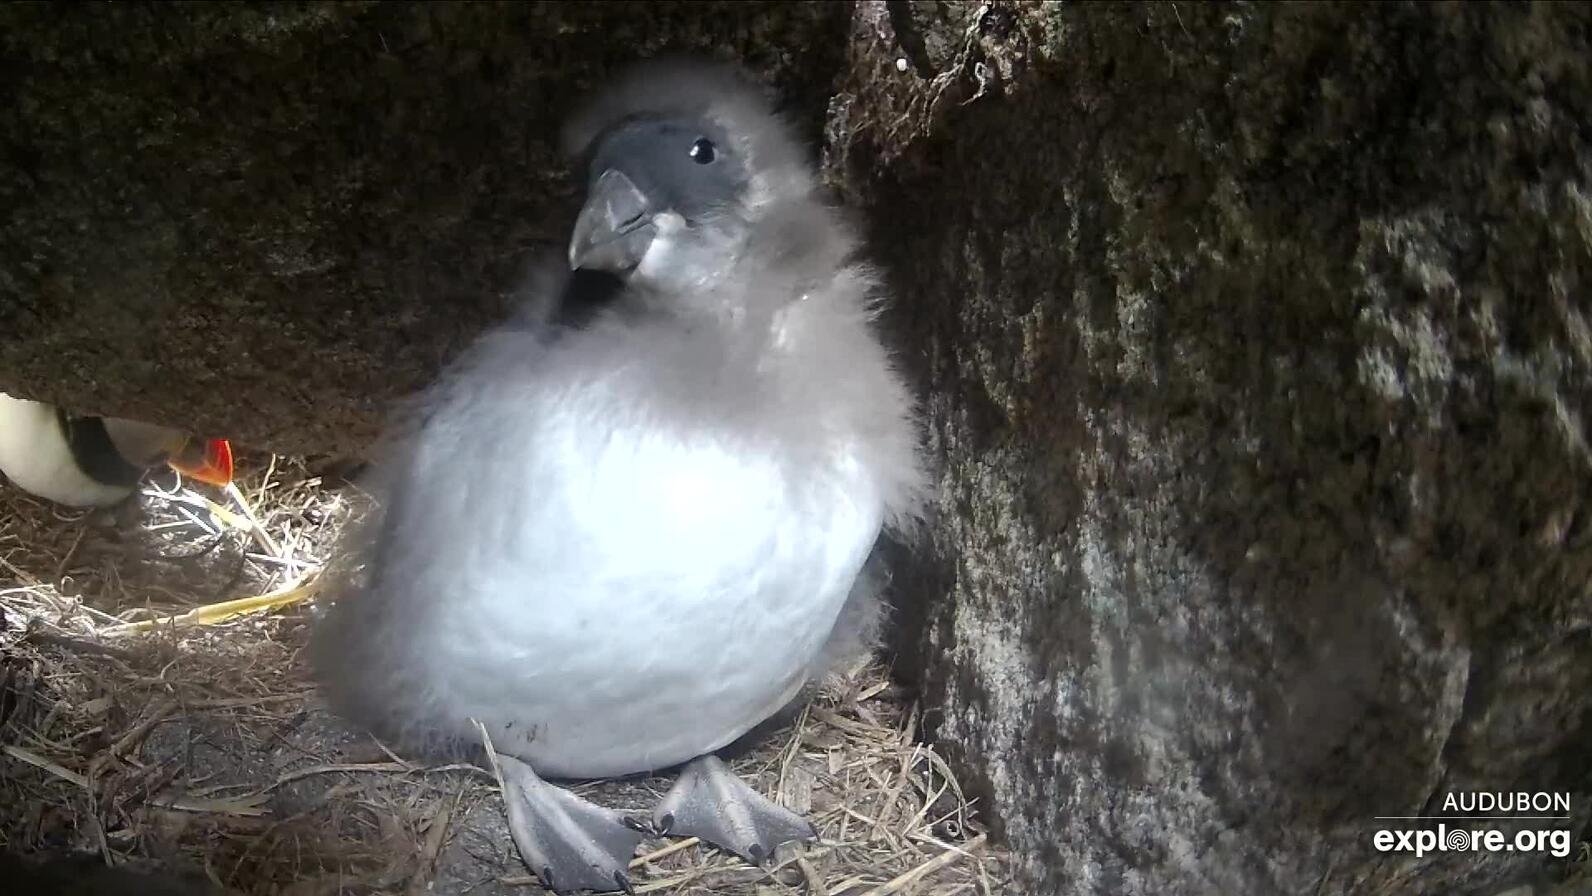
(702, 151)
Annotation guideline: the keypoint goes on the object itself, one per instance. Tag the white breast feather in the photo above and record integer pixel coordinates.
(35, 457)
(629, 599)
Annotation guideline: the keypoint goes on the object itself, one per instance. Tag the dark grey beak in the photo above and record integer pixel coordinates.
(614, 229)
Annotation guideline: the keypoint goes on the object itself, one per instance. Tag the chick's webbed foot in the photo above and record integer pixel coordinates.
(711, 802)
(569, 843)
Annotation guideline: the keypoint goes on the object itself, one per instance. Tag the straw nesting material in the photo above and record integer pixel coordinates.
(143, 720)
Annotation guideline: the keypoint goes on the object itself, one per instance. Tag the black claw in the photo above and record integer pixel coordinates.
(666, 823)
(624, 883)
(637, 823)
(547, 878)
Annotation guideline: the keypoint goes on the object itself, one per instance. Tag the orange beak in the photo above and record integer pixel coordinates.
(209, 461)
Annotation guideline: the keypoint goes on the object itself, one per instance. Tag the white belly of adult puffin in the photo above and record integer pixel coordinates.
(85, 461)
(628, 527)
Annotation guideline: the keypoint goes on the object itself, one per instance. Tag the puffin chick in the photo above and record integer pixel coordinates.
(85, 461)
(628, 527)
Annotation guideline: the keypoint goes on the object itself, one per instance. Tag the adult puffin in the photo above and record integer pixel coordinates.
(84, 461)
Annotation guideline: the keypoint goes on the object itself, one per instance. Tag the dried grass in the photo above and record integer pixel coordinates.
(130, 731)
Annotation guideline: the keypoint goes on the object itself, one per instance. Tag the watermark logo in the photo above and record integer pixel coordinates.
(1487, 812)
(1446, 839)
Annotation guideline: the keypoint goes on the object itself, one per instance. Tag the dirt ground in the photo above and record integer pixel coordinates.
(147, 728)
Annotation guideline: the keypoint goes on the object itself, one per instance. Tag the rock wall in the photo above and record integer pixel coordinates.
(268, 221)
(1257, 353)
